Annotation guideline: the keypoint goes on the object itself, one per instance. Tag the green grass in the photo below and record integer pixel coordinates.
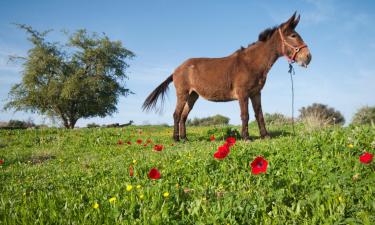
(55, 176)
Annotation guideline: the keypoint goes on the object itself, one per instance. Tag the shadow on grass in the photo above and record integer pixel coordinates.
(279, 133)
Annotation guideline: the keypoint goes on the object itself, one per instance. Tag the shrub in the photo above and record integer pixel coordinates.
(276, 119)
(92, 125)
(223, 133)
(207, 121)
(319, 115)
(364, 115)
(232, 132)
(18, 124)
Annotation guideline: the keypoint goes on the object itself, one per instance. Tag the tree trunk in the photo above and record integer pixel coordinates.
(65, 121)
(72, 123)
(69, 123)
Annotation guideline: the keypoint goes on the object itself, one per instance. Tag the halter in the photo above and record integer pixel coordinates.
(295, 49)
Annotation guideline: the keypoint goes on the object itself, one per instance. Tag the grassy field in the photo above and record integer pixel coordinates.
(58, 176)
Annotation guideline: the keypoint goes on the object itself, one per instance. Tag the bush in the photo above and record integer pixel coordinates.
(18, 124)
(207, 121)
(92, 125)
(364, 115)
(319, 115)
(232, 132)
(276, 119)
(223, 133)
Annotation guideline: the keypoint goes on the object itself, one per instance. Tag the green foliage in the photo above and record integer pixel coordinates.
(321, 115)
(208, 121)
(19, 124)
(80, 79)
(276, 119)
(92, 125)
(232, 132)
(364, 115)
(57, 175)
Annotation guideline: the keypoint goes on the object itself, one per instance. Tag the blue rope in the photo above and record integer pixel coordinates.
(292, 72)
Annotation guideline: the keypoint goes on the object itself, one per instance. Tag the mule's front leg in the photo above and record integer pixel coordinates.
(244, 106)
(257, 106)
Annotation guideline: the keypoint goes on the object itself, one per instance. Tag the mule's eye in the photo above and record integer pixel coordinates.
(294, 35)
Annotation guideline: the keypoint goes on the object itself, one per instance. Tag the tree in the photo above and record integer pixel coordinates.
(81, 79)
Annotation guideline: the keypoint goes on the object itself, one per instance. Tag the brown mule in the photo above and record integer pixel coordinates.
(239, 76)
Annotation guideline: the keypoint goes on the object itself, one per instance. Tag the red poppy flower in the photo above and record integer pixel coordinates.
(120, 142)
(148, 141)
(158, 147)
(212, 138)
(231, 141)
(259, 165)
(129, 143)
(139, 141)
(145, 145)
(1, 161)
(131, 171)
(154, 174)
(222, 152)
(366, 158)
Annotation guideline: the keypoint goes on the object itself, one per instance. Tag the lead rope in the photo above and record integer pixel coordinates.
(292, 72)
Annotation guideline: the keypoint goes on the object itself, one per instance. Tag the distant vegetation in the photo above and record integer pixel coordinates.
(19, 124)
(319, 115)
(207, 121)
(276, 119)
(364, 115)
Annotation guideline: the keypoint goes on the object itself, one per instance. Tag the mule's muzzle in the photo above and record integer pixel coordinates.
(304, 59)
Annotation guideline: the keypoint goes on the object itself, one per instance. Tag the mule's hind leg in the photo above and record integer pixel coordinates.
(181, 101)
(257, 106)
(187, 108)
(244, 106)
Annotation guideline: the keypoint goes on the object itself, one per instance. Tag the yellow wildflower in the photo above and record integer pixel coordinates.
(166, 194)
(350, 145)
(129, 187)
(134, 161)
(139, 186)
(141, 197)
(96, 205)
(112, 200)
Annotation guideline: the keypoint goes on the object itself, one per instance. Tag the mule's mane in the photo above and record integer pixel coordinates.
(267, 33)
(263, 36)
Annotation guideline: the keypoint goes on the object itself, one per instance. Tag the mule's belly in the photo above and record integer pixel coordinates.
(216, 95)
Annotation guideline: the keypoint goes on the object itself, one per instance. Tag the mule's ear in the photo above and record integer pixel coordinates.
(294, 24)
(289, 23)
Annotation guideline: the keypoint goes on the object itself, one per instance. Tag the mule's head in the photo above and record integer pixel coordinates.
(292, 44)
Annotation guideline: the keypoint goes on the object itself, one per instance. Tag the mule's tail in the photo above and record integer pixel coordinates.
(152, 99)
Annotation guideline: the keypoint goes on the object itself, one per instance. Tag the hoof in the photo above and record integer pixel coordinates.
(266, 136)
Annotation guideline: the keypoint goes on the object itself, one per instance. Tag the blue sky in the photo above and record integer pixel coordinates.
(163, 34)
